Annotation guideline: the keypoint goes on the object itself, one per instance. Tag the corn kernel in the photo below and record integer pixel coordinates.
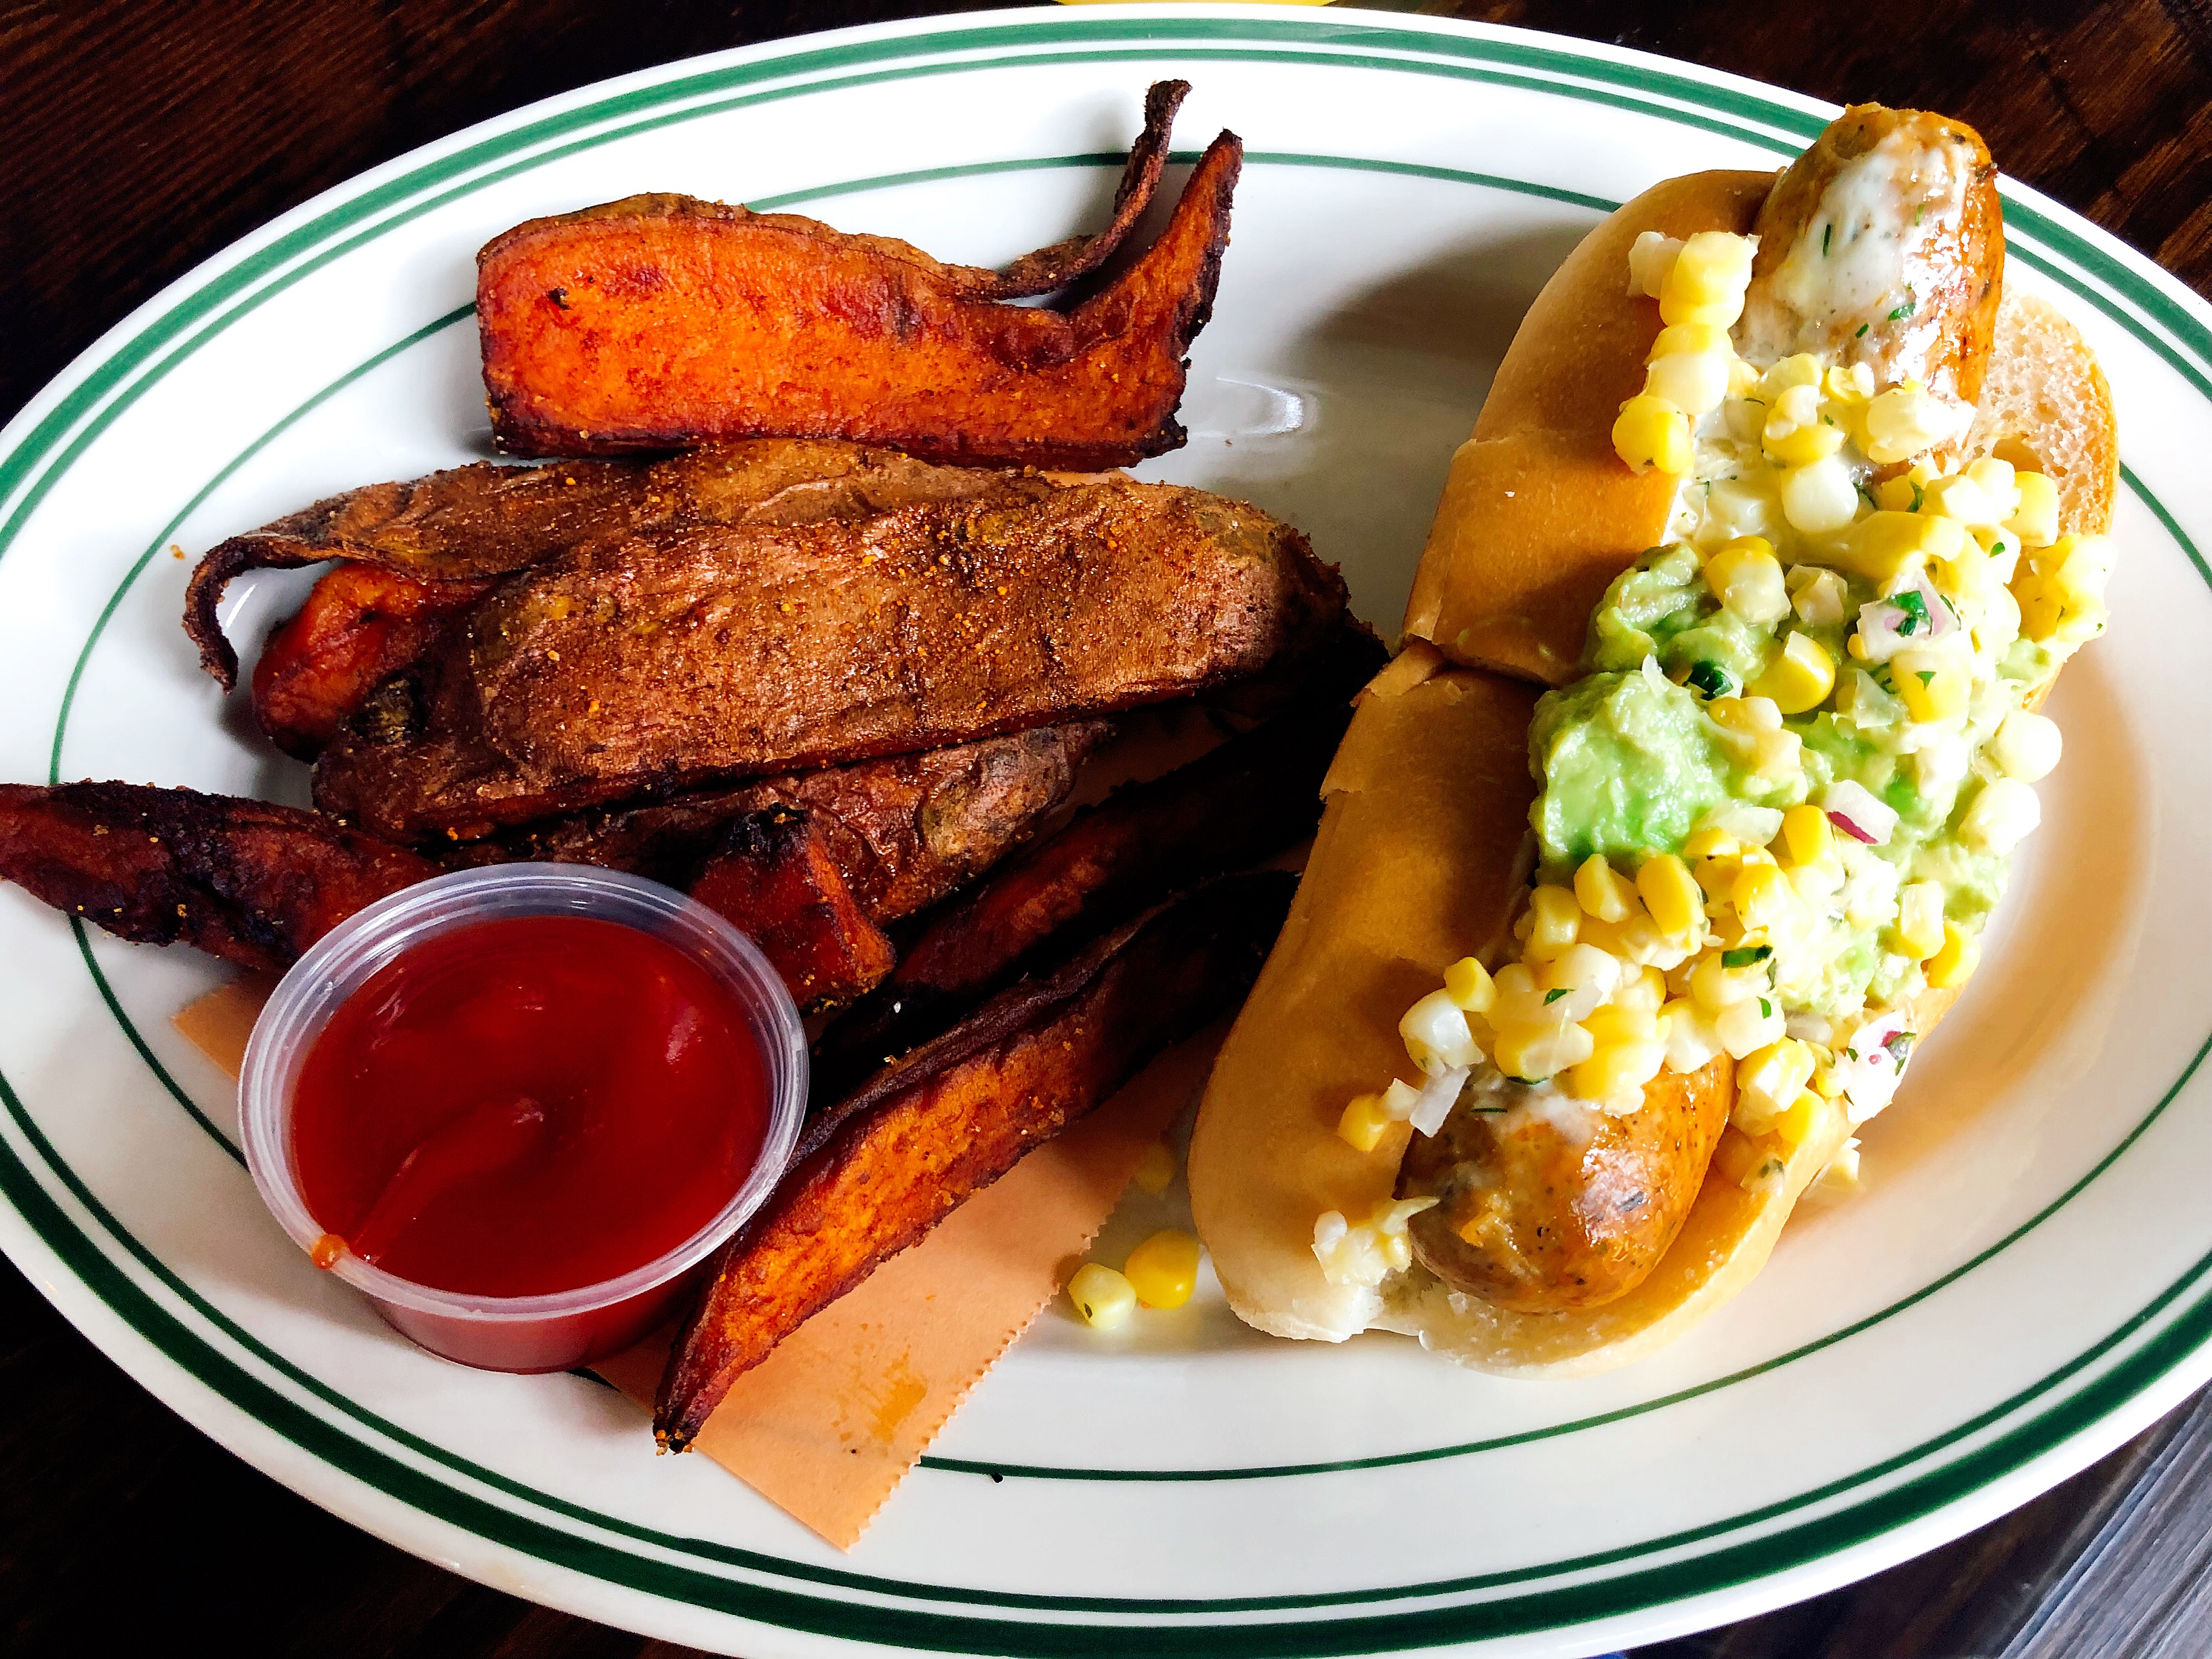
(1537, 1052)
(1999, 483)
(1746, 578)
(1601, 891)
(1800, 679)
(1883, 545)
(1689, 1035)
(1905, 421)
(1652, 432)
(1707, 281)
(1954, 964)
(1794, 1124)
(1896, 494)
(1961, 498)
(1163, 1270)
(1920, 919)
(1744, 1028)
(1762, 896)
(1717, 987)
(1933, 684)
(1155, 1169)
(1800, 445)
(1555, 918)
(1643, 991)
(1820, 496)
(2002, 816)
(1619, 1022)
(1650, 256)
(1801, 369)
(1693, 381)
(1690, 338)
(1806, 835)
(1102, 1296)
(2026, 746)
(2035, 521)
(1671, 895)
(1436, 1034)
(1737, 1155)
(1615, 1068)
(1468, 983)
(1364, 1122)
(1768, 1080)
(1710, 843)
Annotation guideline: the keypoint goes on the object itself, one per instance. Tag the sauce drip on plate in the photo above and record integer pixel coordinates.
(528, 1105)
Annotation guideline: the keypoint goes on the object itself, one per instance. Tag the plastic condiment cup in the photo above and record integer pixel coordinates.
(556, 1330)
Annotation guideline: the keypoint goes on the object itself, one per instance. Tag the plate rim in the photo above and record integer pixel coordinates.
(1155, 32)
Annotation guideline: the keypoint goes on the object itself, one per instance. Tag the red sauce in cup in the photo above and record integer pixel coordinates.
(529, 1104)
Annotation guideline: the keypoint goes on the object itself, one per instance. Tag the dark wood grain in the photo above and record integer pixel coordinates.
(140, 138)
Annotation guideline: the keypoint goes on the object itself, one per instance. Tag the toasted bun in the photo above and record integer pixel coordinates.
(1418, 854)
(1537, 507)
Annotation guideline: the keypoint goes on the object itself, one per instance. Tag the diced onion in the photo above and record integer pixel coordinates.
(1438, 1098)
(1852, 808)
(1885, 627)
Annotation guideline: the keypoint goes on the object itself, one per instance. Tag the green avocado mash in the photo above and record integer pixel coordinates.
(1630, 761)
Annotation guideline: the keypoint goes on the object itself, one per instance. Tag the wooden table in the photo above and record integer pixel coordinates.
(140, 138)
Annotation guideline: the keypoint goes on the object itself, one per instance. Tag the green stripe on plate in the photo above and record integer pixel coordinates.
(109, 385)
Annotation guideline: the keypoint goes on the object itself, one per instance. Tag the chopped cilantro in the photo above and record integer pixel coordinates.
(1828, 235)
(1744, 955)
(1550, 997)
(1924, 675)
(1918, 494)
(1711, 679)
(1863, 327)
(1900, 1047)
(1766, 1009)
(1904, 310)
(1915, 612)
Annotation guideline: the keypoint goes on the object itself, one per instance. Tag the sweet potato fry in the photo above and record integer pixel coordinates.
(905, 830)
(775, 879)
(359, 625)
(877, 1172)
(1245, 801)
(250, 881)
(683, 656)
(661, 321)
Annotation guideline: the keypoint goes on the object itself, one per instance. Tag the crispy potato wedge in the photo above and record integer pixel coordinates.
(662, 321)
(905, 830)
(683, 656)
(775, 879)
(250, 881)
(877, 1172)
(1245, 801)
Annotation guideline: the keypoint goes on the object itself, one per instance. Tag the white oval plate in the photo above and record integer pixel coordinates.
(2027, 1279)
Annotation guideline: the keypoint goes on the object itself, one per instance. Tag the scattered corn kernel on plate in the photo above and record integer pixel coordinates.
(2023, 1278)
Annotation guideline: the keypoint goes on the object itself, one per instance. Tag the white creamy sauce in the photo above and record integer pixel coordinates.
(1849, 267)
(1574, 1119)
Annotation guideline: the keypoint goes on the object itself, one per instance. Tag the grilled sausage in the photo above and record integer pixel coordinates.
(1548, 1203)
(1882, 243)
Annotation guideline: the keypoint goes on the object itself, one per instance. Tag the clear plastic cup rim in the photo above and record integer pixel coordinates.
(339, 963)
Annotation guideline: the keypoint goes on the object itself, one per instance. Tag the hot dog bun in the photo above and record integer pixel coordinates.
(1419, 857)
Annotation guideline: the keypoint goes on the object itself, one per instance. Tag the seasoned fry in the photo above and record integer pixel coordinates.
(251, 882)
(905, 830)
(486, 520)
(876, 1173)
(681, 656)
(662, 321)
(359, 625)
(1240, 803)
(774, 878)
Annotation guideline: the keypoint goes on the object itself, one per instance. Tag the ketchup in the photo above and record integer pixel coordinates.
(526, 1105)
